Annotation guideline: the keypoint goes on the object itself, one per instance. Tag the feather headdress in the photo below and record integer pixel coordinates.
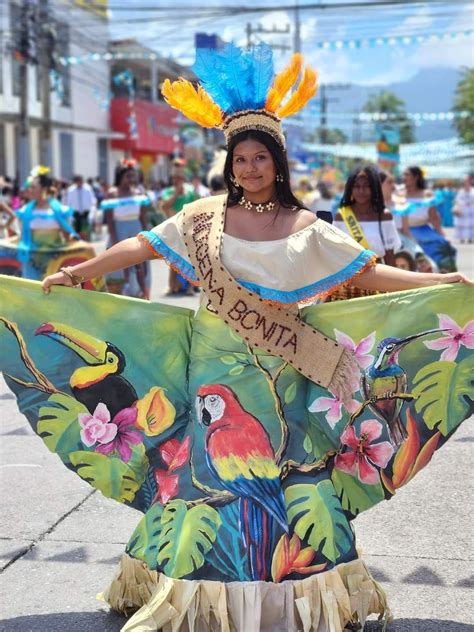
(239, 90)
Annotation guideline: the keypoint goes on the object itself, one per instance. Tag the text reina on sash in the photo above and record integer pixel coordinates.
(240, 312)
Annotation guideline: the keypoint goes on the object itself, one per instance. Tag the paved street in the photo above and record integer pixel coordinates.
(60, 541)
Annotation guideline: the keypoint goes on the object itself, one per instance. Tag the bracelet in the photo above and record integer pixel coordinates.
(75, 279)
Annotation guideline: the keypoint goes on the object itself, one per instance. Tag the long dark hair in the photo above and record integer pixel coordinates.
(383, 175)
(284, 193)
(120, 171)
(376, 195)
(45, 181)
(417, 173)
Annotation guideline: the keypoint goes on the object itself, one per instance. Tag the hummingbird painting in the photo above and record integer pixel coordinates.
(385, 379)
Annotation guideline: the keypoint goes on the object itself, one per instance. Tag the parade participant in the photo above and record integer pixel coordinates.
(173, 199)
(464, 212)
(47, 241)
(125, 214)
(405, 261)
(363, 215)
(362, 208)
(245, 483)
(80, 197)
(325, 201)
(421, 220)
(392, 201)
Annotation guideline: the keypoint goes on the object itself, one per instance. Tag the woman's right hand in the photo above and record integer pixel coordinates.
(59, 278)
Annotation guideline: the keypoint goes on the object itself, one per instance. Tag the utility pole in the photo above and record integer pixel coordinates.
(325, 100)
(297, 34)
(46, 47)
(250, 30)
(25, 52)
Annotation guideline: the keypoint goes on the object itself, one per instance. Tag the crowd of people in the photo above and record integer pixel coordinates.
(402, 220)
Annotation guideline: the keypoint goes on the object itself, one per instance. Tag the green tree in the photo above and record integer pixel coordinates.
(387, 102)
(464, 102)
(329, 136)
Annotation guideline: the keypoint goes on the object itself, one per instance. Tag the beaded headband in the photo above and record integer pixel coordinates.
(239, 91)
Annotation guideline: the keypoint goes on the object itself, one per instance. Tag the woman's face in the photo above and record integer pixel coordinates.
(361, 192)
(423, 265)
(409, 179)
(35, 190)
(402, 263)
(128, 179)
(253, 167)
(388, 187)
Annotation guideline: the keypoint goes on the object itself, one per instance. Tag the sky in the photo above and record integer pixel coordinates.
(171, 33)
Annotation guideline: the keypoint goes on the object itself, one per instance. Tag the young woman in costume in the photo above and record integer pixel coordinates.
(421, 220)
(271, 484)
(464, 211)
(363, 215)
(47, 240)
(125, 213)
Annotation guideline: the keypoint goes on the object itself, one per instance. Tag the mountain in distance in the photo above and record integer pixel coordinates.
(429, 90)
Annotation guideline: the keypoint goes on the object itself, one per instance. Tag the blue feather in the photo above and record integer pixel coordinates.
(205, 68)
(262, 75)
(235, 79)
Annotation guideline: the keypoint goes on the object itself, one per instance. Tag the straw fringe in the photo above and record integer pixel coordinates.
(325, 602)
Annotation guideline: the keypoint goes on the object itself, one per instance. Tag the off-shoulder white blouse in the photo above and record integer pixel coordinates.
(306, 266)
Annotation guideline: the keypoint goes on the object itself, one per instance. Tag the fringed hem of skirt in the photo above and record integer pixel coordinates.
(326, 602)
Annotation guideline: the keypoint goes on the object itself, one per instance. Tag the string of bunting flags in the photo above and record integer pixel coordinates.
(393, 116)
(397, 40)
(366, 42)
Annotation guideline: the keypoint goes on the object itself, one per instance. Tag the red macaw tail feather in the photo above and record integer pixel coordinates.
(256, 526)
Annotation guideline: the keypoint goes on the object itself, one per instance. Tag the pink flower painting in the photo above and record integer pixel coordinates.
(126, 435)
(452, 339)
(362, 454)
(97, 427)
(360, 350)
(334, 407)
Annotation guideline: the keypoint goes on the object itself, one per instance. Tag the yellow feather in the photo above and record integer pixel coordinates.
(196, 105)
(305, 90)
(283, 82)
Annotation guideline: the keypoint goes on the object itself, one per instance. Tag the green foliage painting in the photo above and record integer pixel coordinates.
(243, 469)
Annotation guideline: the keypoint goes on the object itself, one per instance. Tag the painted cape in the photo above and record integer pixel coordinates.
(244, 470)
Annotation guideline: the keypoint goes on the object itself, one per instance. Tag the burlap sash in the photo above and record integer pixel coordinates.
(260, 324)
(353, 226)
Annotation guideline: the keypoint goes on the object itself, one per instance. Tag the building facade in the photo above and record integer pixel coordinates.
(79, 77)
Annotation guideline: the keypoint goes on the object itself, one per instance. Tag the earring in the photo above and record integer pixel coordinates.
(279, 177)
(234, 181)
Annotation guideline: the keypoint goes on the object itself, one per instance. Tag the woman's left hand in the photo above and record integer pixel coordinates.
(457, 277)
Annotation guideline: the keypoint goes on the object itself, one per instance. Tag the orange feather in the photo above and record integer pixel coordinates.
(196, 105)
(306, 89)
(283, 82)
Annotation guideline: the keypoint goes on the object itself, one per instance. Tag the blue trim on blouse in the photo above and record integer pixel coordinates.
(140, 200)
(313, 289)
(278, 296)
(412, 204)
(170, 255)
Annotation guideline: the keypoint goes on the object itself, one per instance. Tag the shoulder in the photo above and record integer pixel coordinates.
(387, 215)
(112, 192)
(338, 217)
(304, 219)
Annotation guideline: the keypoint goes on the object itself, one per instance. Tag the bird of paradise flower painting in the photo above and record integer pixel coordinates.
(242, 468)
